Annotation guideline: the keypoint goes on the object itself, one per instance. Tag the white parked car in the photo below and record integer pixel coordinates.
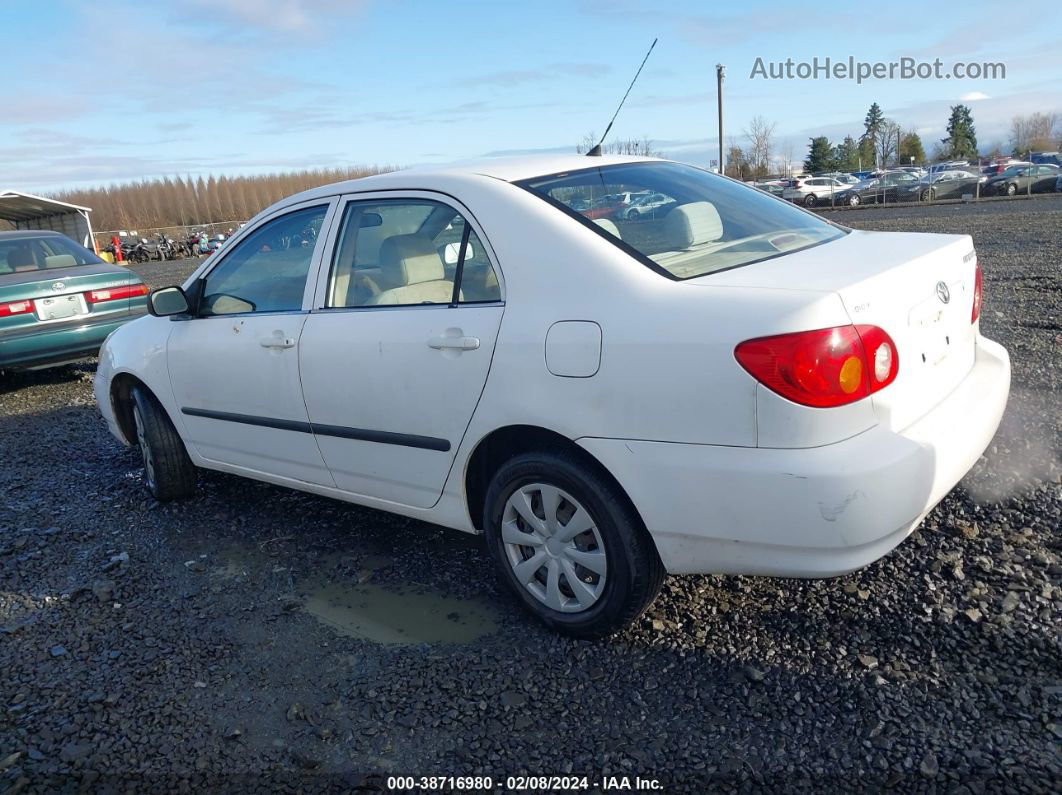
(810, 191)
(735, 386)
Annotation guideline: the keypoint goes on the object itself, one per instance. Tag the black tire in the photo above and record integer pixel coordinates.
(927, 195)
(853, 200)
(1012, 189)
(634, 570)
(810, 200)
(169, 473)
(632, 215)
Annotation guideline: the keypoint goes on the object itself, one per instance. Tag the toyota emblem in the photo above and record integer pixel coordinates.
(943, 293)
(58, 286)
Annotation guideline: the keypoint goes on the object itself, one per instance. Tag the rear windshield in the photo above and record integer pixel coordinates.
(682, 221)
(43, 253)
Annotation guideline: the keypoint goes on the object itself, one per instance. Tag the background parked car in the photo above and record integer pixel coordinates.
(813, 190)
(943, 185)
(58, 300)
(1022, 179)
(1049, 158)
(1001, 166)
(646, 205)
(887, 188)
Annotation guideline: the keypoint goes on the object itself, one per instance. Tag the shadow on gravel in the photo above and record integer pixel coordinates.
(15, 380)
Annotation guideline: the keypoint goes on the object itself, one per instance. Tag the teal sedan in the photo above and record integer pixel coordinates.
(58, 300)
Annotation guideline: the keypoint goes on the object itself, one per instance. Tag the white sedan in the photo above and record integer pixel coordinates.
(735, 385)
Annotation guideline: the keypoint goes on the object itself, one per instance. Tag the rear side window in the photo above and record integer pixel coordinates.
(408, 252)
(706, 223)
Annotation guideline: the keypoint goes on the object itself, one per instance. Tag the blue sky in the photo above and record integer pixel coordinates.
(99, 91)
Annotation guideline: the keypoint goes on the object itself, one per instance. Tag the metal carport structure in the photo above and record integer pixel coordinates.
(27, 211)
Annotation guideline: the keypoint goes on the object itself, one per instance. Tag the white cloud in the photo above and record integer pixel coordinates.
(277, 16)
(973, 96)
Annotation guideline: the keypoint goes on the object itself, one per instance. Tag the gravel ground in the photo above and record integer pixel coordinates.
(213, 644)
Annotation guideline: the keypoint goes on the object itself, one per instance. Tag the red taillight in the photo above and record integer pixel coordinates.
(978, 297)
(796, 183)
(822, 368)
(114, 293)
(15, 308)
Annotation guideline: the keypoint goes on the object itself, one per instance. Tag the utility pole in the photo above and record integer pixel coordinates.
(720, 73)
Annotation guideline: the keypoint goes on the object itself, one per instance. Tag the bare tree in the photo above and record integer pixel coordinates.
(787, 158)
(888, 142)
(1038, 131)
(760, 135)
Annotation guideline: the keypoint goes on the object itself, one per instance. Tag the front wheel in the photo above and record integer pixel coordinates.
(809, 200)
(1012, 189)
(569, 544)
(169, 473)
(632, 215)
(853, 200)
(927, 195)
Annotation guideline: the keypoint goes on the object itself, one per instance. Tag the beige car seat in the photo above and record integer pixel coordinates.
(692, 224)
(412, 264)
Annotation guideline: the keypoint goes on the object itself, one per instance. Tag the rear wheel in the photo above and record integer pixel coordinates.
(569, 544)
(810, 200)
(169, 473)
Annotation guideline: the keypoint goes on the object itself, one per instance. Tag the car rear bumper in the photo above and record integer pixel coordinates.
(816, 512)
(45, 346)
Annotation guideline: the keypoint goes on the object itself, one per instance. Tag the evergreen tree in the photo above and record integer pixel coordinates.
(962, 139)
(820, 155)
(846, 155)
(911, 148)
(867, 154)
(873, 126)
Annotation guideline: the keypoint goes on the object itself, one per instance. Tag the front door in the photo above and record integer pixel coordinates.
(235, 368)
(394, 357)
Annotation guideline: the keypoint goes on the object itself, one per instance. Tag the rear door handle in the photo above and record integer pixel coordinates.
(454, 343)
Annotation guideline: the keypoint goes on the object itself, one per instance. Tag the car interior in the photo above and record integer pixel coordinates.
(37, 254)
(407, 252)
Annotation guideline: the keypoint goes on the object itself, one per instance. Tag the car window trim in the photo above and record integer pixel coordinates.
(343, 200)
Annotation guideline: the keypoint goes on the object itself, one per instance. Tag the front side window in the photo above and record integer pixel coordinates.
(266, 271)
(707, 224)
(408, 252)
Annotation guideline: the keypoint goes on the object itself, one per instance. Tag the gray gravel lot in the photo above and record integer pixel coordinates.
(214, 644)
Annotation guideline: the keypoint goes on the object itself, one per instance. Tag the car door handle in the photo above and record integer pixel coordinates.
(277, 341)
(454, 343)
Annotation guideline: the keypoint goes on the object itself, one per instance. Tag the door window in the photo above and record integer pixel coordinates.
(408, 252)
(266, 271)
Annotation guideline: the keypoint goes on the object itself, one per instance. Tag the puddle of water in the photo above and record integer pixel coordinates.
(399, 616)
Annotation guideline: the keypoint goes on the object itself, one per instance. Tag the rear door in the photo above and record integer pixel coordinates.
(234, 368)
(393, 359)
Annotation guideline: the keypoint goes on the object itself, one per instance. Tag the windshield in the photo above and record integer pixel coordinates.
(696, 223)
(48, 252)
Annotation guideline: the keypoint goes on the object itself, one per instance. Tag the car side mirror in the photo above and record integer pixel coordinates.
(167, 301)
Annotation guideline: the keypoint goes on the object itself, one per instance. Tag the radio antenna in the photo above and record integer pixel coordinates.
(596, 151)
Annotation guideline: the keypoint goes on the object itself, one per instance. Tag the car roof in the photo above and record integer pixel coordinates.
(18, 234)
(507, 169)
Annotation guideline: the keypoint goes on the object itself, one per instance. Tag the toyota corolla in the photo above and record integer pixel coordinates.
(729, 385)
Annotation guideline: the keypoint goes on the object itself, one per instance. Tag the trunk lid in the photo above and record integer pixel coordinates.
(50, 288)
(917, 287)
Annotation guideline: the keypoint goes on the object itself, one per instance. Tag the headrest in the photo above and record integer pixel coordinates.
(608, 226)
(452, 252)
(410, 259)
(60, 261)
(21, 257)
(689, 225)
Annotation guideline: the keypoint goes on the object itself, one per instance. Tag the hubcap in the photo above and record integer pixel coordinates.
(554, 547)
(145, 450)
